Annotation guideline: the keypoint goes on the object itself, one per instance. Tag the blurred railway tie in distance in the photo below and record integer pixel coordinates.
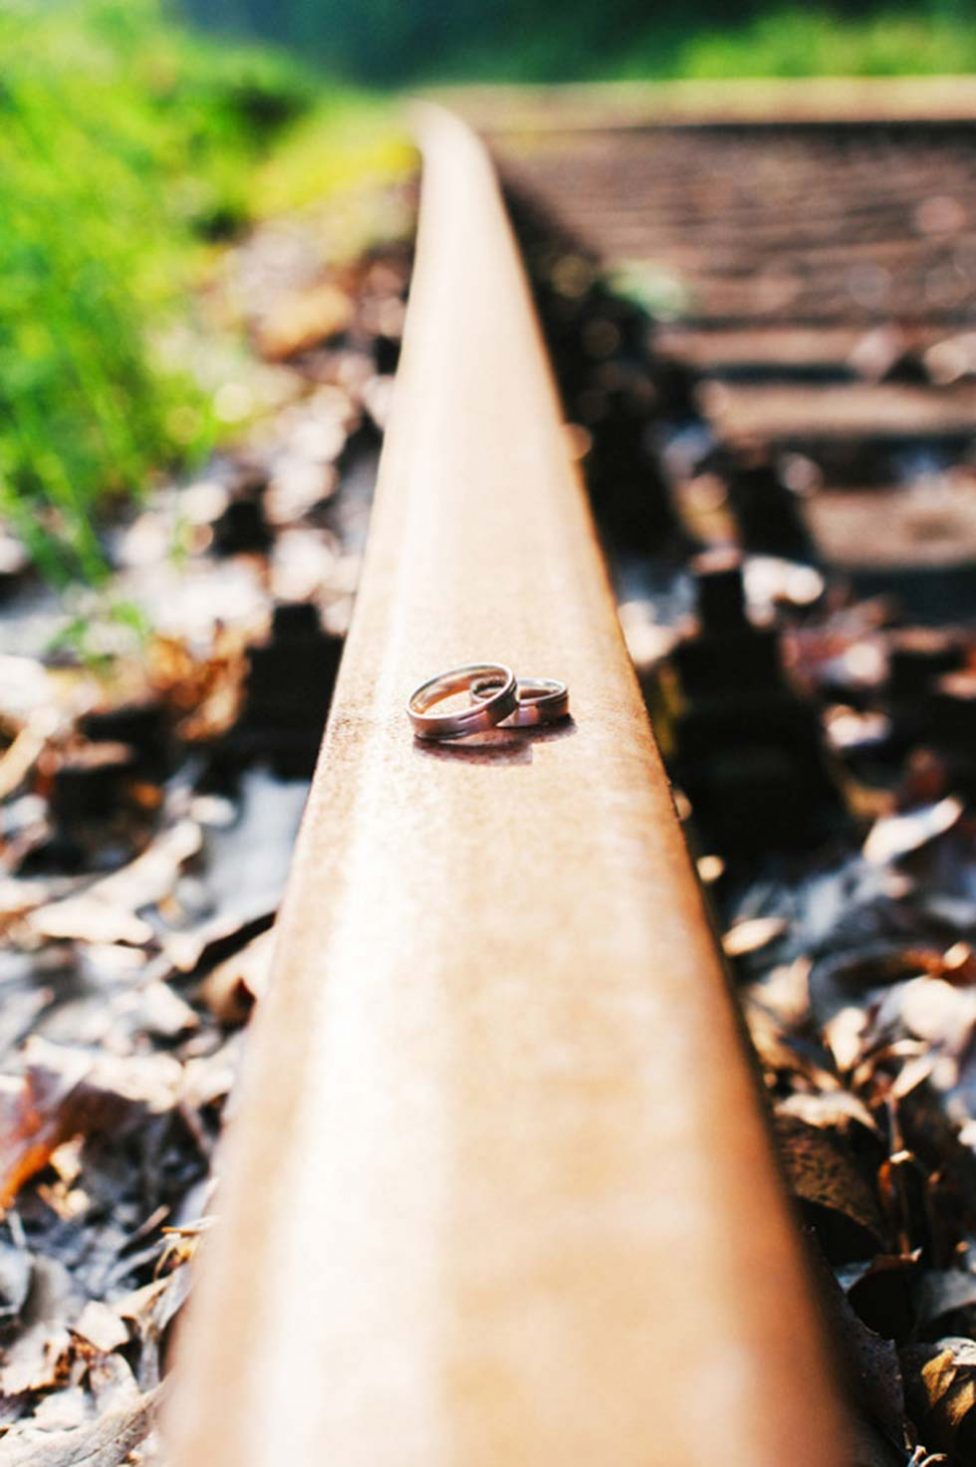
(760, 323)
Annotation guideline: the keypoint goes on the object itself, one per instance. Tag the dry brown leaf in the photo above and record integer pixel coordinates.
(824, 1170)
(33, 1360)
(785, 992)
(19, 759)
(65, 1093)
(753, 934)
(152, 1311)
(846, 982)
(105, 1442)
(232, 988)
(933, 1010)
(106, 912)
(153, 874)
(770, 1042)
(18, 897)
(214, 940)
(871, 1365)
(88, 918)
(941, 1382)
(834, 1109)
(895, 836)
(155, 1305)
(158, 1011)
(193, 686)
(881, 1292)
(848, 1035)
(101, 1326)
(302, 320)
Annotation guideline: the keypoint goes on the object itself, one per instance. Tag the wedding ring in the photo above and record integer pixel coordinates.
(538, 700)
(497, 703)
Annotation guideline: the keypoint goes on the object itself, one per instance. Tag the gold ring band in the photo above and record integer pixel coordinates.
(484, 714)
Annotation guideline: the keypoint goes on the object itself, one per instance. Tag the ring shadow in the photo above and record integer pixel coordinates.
(497, 745)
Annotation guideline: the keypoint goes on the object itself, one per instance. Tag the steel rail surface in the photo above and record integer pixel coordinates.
(498, 1192)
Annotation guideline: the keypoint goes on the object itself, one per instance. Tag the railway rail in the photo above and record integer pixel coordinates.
(499, 1187)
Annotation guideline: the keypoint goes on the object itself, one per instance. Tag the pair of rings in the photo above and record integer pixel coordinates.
(497, 696)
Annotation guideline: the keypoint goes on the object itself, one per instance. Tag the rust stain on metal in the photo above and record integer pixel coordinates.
(499, 1190)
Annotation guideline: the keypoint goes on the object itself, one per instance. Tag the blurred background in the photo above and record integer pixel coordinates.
(383, 42)
(139, 136)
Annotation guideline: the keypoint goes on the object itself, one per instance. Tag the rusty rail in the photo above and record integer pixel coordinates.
(499, 1190)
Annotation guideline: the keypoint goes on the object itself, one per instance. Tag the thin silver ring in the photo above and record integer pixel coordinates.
(482, 715)
(538, 700)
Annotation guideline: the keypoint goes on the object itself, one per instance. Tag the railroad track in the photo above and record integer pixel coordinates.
(499, 1189)
(816, 275)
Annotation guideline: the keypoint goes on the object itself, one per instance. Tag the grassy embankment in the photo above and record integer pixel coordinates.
(129, 149)
(799, 42)
(787, 41)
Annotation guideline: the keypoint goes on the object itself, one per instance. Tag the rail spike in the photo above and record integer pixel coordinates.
(499, 1191)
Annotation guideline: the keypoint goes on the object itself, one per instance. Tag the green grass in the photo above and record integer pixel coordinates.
(123, 150)
(129, 148)
(802, 42)
(788, 40)
(349, 143)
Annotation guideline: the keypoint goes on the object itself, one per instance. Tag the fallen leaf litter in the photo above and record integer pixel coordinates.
(137, 928)
(151, 796)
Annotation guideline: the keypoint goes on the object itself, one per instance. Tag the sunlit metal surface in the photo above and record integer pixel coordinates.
(499, 1192)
